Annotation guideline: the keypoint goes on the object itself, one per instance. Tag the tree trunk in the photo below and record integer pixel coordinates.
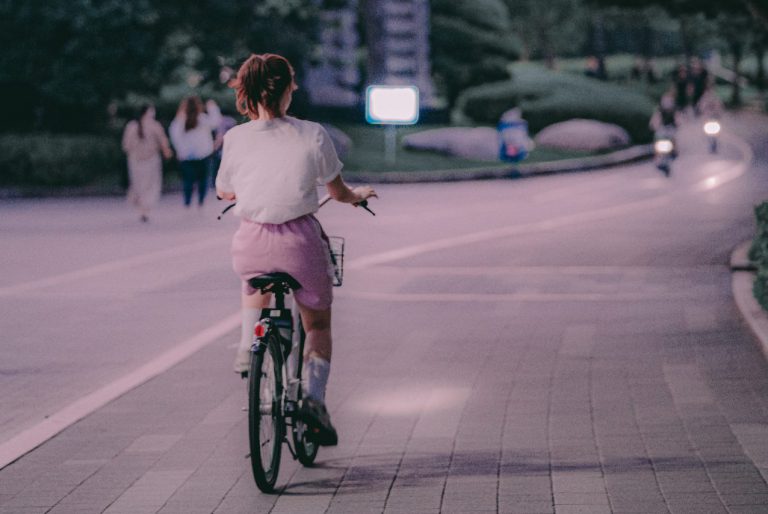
(760, 78)
(549, 52)
(685, 38)
(736, 52)
(598, 45)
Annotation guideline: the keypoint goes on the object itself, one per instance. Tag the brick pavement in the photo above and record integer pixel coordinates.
(655, 405)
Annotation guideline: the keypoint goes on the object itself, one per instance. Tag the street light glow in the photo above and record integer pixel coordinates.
(712, 128)
(392, 105)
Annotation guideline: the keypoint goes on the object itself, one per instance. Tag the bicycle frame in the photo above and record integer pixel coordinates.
(286, 323)
(279, 333)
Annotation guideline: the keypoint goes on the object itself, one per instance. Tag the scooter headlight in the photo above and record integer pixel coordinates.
(712, 128)
(663, 146)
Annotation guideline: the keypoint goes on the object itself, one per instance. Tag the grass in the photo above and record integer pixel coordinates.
(367, 153)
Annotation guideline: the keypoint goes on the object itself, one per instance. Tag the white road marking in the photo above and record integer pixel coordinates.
(501, 232)
(515, 297)
(33, 437)
(737, 169)
(544, 270)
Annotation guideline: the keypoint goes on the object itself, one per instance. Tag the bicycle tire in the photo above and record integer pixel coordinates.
(306, 450)
(266, 425)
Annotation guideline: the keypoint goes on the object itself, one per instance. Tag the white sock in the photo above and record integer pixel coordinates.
(317, 377)
(249, 317)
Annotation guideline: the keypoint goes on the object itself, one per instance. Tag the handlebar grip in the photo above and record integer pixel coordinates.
(364, 205)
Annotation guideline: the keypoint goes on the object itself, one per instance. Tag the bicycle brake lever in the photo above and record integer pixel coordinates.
(225, 210)
(364, 205)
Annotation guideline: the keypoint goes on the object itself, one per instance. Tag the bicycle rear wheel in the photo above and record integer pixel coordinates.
(266, 425)
(306, 449)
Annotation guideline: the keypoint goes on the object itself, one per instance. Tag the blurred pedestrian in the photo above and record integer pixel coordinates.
(144, 142)
(225, 123)
(595, 68)
(651, 76)
(698, 81)
(665, 117)
(192, 137)
(709, 105)
(680, 79)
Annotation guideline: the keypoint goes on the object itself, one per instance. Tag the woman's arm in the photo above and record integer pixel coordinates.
(165, 146)
(130, 137)
(340, 192)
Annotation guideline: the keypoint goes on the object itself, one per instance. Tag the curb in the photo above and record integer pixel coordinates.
(506, 171)
(742, 279)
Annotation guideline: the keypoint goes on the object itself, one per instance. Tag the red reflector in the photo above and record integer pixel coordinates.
(259, 330)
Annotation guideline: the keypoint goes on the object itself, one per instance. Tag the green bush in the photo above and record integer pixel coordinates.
(472, 43)
(58, 160)
(758, 253)
(548, 97)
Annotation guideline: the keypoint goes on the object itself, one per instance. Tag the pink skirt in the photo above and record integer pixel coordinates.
(297, 247)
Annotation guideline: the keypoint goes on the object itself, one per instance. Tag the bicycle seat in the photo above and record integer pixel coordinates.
(272, 281)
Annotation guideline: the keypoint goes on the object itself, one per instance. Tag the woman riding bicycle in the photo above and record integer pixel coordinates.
(272, 166)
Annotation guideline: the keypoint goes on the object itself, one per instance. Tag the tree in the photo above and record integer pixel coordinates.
(736, 29)
(79, 55)
(471, 43)
(76, 54)
(548, 29)
(737, 24)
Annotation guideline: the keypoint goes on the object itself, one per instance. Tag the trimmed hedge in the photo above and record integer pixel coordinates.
(548, 97)
(758, 253)
(58, 160)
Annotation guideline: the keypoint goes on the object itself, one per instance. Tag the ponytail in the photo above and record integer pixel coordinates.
(263, 79)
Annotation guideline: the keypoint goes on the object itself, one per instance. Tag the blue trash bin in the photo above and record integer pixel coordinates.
(513, 140)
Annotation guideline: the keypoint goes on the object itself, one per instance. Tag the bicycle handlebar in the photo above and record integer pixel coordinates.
(323, 201)
(364, 204)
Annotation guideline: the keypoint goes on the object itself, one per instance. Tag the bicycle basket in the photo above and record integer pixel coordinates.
(336, 245)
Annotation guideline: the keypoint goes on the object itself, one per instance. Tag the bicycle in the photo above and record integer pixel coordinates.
(275, 388)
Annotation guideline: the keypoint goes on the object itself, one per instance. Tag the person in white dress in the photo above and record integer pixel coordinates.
(145, 143)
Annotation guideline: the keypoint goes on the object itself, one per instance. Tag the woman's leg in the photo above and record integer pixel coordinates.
(203, 170)
(187, 179)
(317, 350)
(251, 310)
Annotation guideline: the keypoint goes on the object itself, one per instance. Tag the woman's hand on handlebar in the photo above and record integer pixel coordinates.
(222, 195)
(363, 193)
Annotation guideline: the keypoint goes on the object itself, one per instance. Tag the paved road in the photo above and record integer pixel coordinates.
(561, 345)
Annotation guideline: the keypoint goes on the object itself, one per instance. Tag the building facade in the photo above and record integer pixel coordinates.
(397, 42)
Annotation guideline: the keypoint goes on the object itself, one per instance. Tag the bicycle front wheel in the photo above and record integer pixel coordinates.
(266, 425)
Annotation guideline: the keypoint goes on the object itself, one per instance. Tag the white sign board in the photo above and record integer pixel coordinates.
(392, 105)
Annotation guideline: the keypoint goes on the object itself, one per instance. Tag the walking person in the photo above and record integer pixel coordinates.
(699, 80)
(272, 166)
(144, 142)
(192, 137)
(680, 79)
(225, 123)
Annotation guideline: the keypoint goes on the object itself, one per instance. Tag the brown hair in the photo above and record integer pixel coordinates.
(192, 106)
(262, 79)
(138, 114)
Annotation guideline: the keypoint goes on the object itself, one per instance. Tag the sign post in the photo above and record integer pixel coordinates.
(391, 106)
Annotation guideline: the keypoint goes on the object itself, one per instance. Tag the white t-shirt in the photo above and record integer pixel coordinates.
(196, 143)
(274, 167)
